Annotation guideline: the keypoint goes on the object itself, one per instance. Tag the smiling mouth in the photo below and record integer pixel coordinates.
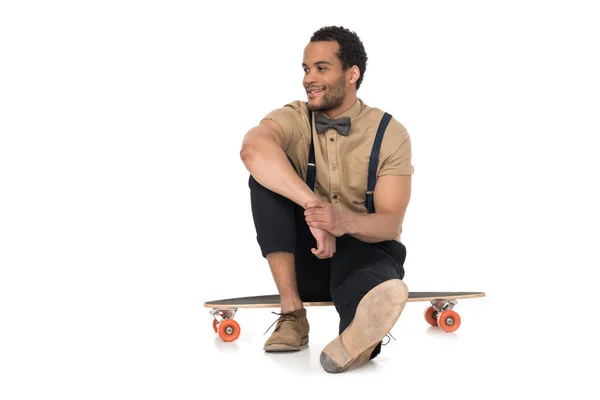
(312, 93)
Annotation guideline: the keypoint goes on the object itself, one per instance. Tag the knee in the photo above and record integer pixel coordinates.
(403, 289)
(255, 186)
(252, 182)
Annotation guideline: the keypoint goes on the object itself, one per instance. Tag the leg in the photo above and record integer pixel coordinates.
(358, 267)
(369, 296)
(276, 234)
(285, 242)
(312, 274)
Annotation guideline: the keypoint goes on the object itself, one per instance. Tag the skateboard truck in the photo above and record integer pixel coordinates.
(441, 314)
(224, 324)
(441, 305)
(220, 314)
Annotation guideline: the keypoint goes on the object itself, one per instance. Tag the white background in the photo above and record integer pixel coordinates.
(124, 204)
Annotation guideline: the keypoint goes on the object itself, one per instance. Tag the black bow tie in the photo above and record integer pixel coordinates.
(341, 125)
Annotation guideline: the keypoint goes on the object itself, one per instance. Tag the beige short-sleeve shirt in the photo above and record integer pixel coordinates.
(342, 162)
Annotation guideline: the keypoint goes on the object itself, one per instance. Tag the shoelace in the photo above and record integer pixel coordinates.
(389, 335)
(282, 317)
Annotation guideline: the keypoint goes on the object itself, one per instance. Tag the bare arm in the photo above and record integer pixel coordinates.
(263, 155)
(391, 197)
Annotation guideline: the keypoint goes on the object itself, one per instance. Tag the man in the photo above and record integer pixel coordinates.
(327, 235)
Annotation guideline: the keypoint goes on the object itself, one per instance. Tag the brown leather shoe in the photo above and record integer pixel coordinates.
(375, 315)
(291, 332)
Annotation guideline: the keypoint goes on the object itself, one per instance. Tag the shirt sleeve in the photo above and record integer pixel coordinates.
(399, 162)
(290, 119)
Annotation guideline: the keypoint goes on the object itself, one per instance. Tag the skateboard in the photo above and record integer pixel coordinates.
(440, 313)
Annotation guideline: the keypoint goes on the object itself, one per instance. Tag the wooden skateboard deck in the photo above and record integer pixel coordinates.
(273, 301)
(440, 313)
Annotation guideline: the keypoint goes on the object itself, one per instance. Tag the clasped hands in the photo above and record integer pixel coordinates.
(325, 223)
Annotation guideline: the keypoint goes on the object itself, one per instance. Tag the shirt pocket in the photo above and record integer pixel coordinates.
(355, 181)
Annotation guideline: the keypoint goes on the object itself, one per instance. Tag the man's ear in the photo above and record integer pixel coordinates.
(354, 74)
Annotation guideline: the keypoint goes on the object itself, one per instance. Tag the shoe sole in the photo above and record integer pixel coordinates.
(283, 347)
(375, 316)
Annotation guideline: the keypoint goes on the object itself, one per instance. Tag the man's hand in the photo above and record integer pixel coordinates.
(323, 215)
(325, 243)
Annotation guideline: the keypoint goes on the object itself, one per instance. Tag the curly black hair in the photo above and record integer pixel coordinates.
(352, 51)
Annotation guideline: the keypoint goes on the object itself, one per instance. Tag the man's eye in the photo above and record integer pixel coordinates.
(322, 68)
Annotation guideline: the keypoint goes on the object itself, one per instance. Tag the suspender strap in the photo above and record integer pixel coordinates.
(311, 172)
(374, 161)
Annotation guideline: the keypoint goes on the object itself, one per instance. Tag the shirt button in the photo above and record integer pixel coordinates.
(333, 168)
(335, 196)
(331, 139)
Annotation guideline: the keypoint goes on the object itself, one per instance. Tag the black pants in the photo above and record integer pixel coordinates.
(355, 268)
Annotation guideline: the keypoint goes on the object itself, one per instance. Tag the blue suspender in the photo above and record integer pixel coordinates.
(311, 173)
(374, 160)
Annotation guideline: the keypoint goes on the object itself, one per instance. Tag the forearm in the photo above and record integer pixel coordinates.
(373, 228)
(269, 166)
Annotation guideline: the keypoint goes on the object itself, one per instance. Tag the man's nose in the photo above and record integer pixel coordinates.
(309, 79)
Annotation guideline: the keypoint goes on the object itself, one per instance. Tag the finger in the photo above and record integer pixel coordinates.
(312, 203)
(318, 251)
(328, 249)
(316, 218)
(315, 211)
(320, 254)
(325, 248)
(319, 225)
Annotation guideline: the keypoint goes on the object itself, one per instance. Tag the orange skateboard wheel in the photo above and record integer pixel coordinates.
(448, 320)
(431, 316)
(229, 330)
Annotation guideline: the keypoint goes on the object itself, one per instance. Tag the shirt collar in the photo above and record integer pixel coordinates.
(352, 112)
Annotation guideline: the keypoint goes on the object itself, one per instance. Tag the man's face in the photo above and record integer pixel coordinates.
(324, 79)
